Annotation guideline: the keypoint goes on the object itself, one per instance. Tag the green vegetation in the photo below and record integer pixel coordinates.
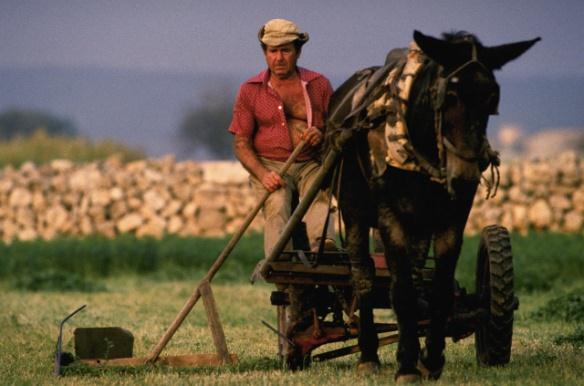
(576, 339)
(141, 284)
(25, 122)
(567, 307)
(54, 280)
(41, 148)
(32, 264)
(541, 260)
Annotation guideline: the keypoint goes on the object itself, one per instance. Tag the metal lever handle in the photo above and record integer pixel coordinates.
(58, 352)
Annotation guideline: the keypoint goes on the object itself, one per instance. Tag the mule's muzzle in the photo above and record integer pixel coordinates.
(461, 174)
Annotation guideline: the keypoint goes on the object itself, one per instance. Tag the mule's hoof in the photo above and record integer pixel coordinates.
(408, 379)
(430, 372)
(296, 361)
(367, 368)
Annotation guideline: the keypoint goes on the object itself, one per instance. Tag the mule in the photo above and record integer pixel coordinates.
(450, 101)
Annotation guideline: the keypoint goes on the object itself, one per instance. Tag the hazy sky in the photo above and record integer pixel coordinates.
(220, 35)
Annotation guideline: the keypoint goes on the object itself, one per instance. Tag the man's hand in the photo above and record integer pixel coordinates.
(246, 154)
(312, 135)
(271, 181)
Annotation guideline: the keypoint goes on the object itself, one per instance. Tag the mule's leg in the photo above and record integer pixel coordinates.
(362, 272)
(446, 249)
(447, 244)
(356, 207)
(403, 293)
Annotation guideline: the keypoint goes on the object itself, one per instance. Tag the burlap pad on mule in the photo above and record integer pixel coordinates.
(392, 104)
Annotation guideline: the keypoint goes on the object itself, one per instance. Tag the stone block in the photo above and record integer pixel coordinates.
(224, 172)
(540, 215)
(100, 197)
(61, 165)
(20, 197)
(154, 200)
(103, 343)
(211, 219)
(27, 234)
(175, 224)
(116, 193)
(573, 222)
(155, 227)
(129, 222)
(559, 202)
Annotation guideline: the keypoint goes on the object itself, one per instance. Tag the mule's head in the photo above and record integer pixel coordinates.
(465, 94)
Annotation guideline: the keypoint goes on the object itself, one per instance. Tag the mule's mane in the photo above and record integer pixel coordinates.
(460, 37)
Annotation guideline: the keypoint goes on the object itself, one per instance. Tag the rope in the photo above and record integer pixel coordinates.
(492, 183)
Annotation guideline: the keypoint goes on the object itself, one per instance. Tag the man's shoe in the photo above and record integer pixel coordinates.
(329, 246)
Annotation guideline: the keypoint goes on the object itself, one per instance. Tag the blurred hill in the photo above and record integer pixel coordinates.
(140, 109)
(145, 109)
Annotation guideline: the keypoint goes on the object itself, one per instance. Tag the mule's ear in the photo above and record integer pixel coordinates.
(496, 57)
(441, 51)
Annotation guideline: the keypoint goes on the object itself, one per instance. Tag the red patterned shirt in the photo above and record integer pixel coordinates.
(258, 113)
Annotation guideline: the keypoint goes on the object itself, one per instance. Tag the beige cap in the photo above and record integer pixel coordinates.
(277, 32)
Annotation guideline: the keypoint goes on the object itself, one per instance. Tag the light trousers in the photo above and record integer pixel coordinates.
(277, 208)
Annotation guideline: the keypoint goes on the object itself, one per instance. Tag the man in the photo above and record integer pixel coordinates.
(275, 110)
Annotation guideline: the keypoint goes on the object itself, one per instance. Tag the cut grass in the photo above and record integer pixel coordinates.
(29, 324)
(145, 283)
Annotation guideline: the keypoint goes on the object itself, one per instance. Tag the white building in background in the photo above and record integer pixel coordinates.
(514, 143)
(551, 142)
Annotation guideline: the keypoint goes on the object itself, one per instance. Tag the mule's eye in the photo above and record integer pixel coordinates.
(451, 98)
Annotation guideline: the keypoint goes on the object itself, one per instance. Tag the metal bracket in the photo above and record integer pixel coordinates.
(58, 352)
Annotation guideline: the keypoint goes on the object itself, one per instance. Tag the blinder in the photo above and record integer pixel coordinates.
(442, 90)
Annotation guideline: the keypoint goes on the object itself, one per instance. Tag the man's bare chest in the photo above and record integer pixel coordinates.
(293, 99)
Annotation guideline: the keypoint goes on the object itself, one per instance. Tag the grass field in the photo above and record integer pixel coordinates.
(547, 346)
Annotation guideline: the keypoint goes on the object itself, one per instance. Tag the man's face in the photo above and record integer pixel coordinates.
(282, 59)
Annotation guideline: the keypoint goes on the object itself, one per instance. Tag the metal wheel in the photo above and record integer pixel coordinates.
(494, 288)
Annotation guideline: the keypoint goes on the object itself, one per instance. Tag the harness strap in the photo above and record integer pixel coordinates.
(435, 173)
(338, 195)
(373, 83)
(329, 211)
(440, 144)
(448, 145)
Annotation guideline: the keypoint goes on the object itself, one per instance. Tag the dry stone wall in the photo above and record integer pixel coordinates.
(146, 198)
(162, 196)
(535, 194)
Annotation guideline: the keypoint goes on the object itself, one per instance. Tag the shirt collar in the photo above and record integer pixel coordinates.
(305, 76)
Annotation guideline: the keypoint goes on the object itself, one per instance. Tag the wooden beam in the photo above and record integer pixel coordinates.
(214, 322)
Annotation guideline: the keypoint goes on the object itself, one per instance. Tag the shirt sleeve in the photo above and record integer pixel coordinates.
(243, 121)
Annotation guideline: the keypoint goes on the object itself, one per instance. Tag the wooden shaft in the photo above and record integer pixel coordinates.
(214, 322)
(219, 262)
